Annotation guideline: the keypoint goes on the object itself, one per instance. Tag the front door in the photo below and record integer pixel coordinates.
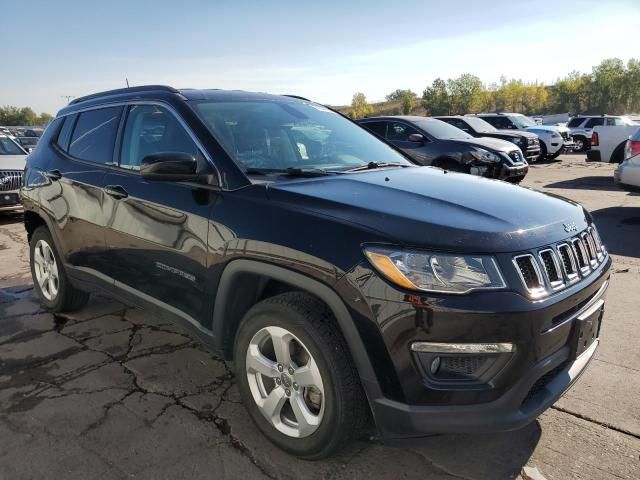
(157, 231)
(398, 134)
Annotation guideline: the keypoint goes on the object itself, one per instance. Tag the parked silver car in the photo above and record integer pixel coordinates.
(12, 162)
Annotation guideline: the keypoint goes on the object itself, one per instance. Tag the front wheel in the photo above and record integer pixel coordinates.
(49, 277)
(296, 377)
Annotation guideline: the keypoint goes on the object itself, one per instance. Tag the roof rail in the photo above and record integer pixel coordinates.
(142, 88)
(297, 96)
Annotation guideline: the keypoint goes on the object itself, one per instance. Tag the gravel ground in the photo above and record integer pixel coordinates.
(113, 392)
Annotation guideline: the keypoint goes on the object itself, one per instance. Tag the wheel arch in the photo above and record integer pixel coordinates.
(618, 153)
(240, 287)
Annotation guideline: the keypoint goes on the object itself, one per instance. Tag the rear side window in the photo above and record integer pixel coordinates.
(594, 122)
(575, 122)
(94, 135)
(65, 132)
(151, 129)
(379, 128)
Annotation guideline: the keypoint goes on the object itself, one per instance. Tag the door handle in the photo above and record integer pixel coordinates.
(116, 191)
(53, 175)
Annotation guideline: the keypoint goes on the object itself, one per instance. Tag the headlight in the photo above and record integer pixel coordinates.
(436, 272)
(484, 156)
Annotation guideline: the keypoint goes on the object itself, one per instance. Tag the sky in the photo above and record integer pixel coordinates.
(323, 50)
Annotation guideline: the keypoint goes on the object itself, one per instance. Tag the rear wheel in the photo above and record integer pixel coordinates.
(296, 377)
(49, 277)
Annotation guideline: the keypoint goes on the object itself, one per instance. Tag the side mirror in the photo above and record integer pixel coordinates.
(416, 138)
(169, 166)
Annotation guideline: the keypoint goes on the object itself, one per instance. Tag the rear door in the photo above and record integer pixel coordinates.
(73, 196)
(156, 231)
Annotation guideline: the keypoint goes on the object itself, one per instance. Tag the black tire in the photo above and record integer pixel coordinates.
(346, 411)
(543, 152)
(68, 298)
(555, 155)
(582, 144)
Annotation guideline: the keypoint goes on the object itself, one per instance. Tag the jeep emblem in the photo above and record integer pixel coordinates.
(570, 227)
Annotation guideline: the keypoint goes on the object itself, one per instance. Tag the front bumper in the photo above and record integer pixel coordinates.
(532, 153)
(541, 369)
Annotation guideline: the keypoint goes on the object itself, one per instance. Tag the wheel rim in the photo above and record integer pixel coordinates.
(285, 382)
(46, 270)
(579, 144)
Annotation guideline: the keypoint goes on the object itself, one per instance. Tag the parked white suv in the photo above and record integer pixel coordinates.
(554, 140)
(12, 162)
(582, 126)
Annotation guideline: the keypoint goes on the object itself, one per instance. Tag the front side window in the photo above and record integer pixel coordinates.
(94, 135)
(399, 132)
(523, 121)
(280, 134)
(614, 122)
(479, 125)
(150, 129)
(501, 123)
(9, 147)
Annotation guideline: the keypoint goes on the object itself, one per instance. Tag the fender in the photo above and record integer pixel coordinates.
(320, 290)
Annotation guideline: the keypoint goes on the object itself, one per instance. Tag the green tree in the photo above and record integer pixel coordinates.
(14, 116)
(407, 99)
(359, 106)
(464, 92)
(435, 98)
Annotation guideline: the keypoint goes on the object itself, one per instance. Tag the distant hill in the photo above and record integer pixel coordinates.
(385, 108)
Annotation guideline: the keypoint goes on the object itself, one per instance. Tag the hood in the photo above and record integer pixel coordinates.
(550, 128)
(488, 143)
(13, 162)
(524, 133)
(426, 207)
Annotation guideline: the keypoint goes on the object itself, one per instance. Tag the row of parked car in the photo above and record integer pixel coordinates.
(26, 137)
(499, 145)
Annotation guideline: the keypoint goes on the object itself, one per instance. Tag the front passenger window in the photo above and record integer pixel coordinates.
(151, 129)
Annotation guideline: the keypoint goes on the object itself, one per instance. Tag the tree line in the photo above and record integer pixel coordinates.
(612, 87)
(14, 116)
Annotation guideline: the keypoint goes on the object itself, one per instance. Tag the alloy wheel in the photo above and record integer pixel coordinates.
(46, 270)
(285, 382)
(579, 144)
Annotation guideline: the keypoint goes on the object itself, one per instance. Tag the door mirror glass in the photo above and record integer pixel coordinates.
(416, 138)
(169, 166)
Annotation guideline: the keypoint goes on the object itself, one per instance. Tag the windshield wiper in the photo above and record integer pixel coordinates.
(290, 172)
(372, 165)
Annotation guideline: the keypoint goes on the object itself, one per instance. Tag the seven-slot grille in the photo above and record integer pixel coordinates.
(558, 266)
(10, 180)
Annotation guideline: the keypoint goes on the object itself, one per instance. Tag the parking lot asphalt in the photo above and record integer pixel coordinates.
(114, 392)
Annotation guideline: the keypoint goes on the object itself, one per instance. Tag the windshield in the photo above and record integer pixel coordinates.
(522, 121)
(441, 130)
(479, 125)
(279, 135)
(9, 147)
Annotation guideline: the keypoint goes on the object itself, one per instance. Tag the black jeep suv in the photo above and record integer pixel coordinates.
(343, 281)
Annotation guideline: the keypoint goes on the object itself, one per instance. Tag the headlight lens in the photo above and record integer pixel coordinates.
(484, 156)
(436, 272)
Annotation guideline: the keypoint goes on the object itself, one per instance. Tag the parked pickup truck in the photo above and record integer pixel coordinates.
(608, 142)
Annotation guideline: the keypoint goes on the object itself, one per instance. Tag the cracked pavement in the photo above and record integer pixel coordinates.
(113, 392)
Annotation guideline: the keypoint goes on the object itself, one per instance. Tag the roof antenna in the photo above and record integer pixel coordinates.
(127, 80)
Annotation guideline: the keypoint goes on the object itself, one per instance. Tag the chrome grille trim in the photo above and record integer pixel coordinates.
(570, 276)
(566, 263)
(10, 180)
(538, 291)
(558, 283)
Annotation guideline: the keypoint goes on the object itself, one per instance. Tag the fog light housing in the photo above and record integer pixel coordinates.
(463, 364)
